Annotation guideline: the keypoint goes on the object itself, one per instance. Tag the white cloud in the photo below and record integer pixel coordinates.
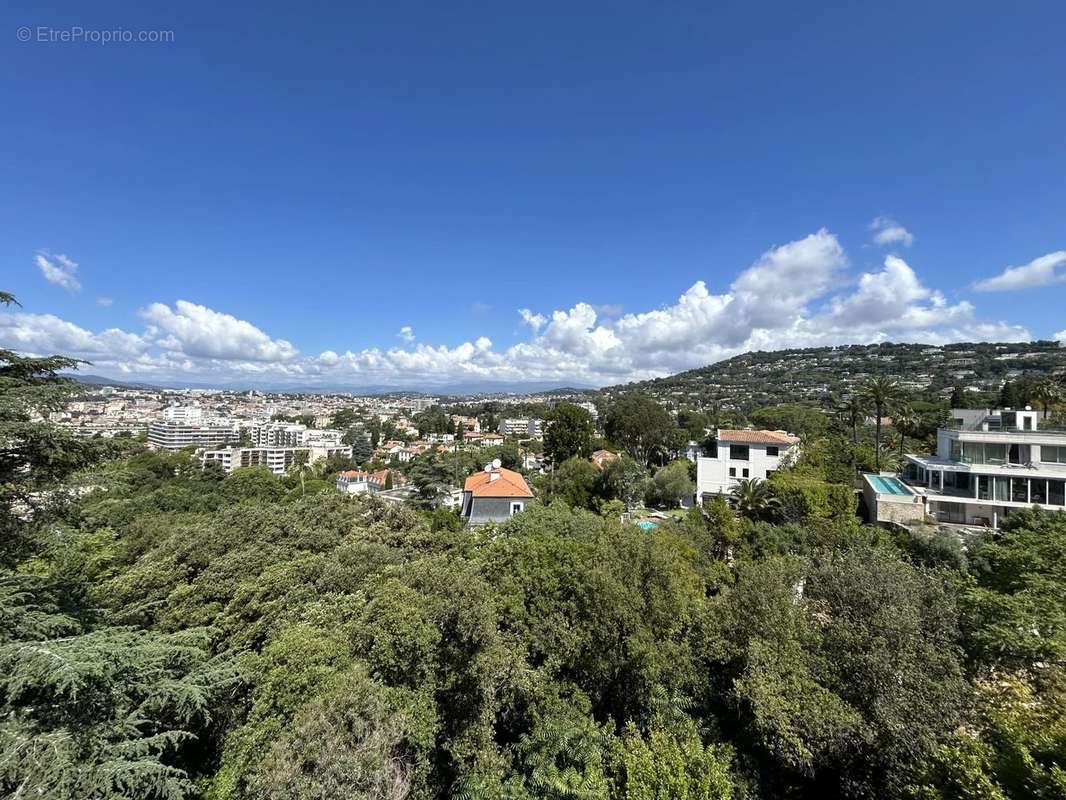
(105, 302)
(795, 295)
(1042, 271)
(535, 321)
(58, 269)
(201, 332)
(46, 334)
(1060, 337)
(887, 231)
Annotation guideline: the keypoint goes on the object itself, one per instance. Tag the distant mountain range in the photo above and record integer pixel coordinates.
(810, 374)
(449, 390)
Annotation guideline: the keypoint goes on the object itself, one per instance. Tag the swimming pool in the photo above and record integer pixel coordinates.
(647, 525)
(887, 485)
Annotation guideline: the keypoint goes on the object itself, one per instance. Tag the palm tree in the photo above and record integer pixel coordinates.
(754, 499)
(906, 422)
(302, 469)
(853, 409)
(1047, 392)
(881, 393)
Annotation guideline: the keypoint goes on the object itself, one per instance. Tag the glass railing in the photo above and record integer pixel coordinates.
(1055, 429)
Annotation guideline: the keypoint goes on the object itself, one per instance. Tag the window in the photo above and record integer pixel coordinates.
(984, 453)
(738, 452)
(515, 508)
(1052, 455)
(771, 450)
(732, 472)
(744, 472)
(1056, 493)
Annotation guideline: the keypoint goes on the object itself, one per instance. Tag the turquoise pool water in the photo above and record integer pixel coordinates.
(886, 485)
(647, 525)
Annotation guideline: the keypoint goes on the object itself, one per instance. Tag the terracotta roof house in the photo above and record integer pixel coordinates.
(357, 481)
(602, 457)
(736, 455)
(494, 495)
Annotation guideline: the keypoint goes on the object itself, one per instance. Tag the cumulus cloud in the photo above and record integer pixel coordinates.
(887, 231)
(535, 321)
(201, 332)
(58, 269)
(46, 334)
(797, 294)
(1061, 337)
(1042, 271)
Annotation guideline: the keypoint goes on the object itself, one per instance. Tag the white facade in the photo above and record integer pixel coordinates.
(293, 434)
(989, 463)
(278, 460)
(189, 414)
(521, 426)
(739, 455)
(168, 435)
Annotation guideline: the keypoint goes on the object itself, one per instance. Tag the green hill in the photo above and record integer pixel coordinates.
(808, 375)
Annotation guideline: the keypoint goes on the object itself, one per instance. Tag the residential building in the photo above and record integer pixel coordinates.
(601, 458)
(464, 424)
(187, 414)
(494, 495)
(522, 427)
(278, 460)
(293, 434)
(734, 455)
(175, 435)
(355, 481)
(590, 408)
(987, 464)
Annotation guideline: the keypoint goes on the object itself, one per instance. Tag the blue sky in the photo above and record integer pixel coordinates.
(282, 188)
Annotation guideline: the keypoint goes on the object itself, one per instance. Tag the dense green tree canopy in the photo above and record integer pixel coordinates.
(172, 633)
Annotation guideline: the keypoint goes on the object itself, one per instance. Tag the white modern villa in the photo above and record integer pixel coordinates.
(734, 455)
(987, 464)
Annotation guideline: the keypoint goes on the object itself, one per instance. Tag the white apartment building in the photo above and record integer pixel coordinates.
(738, 454)
(278, 460)
(988, 463)
(591, 408)
(173, 435)
(187, 414)
(292, 434)
(521, 426)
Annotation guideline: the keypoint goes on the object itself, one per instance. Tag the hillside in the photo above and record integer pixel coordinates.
(809, 374)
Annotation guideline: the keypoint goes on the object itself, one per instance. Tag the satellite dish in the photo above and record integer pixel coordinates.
(488, 468)
(496, 463)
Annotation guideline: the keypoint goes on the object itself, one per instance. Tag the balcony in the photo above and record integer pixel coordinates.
(1055, 430)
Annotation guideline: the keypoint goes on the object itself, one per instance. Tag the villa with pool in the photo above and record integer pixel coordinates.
(988, 463)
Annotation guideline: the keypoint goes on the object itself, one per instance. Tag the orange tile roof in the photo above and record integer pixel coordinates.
(508, 484)
(756, 437)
